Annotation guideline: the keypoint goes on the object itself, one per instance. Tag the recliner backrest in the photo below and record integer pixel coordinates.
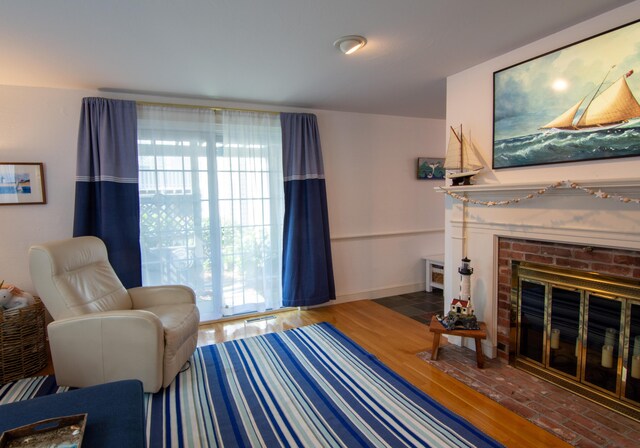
(74, 277)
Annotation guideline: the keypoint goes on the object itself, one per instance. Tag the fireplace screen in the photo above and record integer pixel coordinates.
(581, 331)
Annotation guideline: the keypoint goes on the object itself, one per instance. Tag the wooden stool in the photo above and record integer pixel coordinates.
(437, 329)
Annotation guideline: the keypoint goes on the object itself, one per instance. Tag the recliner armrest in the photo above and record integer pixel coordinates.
(108, 346)
(148, 296)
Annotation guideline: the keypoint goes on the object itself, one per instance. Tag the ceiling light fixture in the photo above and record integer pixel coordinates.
(350, 44)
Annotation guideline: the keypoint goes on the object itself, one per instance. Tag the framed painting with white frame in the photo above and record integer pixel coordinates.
(573, 104)
(22, 183)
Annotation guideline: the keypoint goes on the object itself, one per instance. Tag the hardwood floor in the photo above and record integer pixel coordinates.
(395, 339)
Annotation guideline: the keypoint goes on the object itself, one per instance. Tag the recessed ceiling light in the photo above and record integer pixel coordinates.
(350, 44)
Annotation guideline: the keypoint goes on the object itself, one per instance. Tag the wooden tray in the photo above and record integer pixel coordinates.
(53, 432)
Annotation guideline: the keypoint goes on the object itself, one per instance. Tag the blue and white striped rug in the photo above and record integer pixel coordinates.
(307, 387)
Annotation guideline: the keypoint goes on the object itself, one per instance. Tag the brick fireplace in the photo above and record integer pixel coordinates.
(565, 226)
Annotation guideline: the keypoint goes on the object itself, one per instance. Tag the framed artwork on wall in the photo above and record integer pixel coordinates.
(429, 168)
(22, 183)
(573, 104)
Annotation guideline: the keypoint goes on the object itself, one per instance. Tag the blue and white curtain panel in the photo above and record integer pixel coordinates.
(307, 267)
(107, 201)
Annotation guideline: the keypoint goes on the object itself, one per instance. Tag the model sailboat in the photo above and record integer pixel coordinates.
(460, 156)
(615, 106)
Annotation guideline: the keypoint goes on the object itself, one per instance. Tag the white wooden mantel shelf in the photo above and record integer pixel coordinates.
(616, 185)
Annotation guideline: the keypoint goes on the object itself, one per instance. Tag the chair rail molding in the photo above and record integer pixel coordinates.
(392, 234)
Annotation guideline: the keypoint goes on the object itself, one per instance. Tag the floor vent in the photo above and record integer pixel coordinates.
(257, 319)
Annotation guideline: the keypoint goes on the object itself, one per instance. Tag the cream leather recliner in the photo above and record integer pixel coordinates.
(102, 332)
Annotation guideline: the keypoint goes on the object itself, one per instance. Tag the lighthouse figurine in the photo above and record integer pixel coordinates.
(461, 315)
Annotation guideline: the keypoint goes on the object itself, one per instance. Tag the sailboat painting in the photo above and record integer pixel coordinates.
(577, 103)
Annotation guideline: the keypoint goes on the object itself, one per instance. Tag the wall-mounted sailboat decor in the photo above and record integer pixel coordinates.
(461, 158)
(576, 103)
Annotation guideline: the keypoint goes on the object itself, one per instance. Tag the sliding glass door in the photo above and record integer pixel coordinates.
(211, 206)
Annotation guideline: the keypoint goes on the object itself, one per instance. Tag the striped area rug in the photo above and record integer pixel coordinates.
(306, 387)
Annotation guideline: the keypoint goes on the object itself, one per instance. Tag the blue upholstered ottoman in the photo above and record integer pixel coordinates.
(115, 413)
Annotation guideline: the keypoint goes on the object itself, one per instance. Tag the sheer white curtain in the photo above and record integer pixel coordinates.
(212, 205)
(251, 210)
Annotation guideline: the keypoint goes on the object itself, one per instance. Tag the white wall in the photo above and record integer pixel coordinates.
(37, 125)
(382, 219)
(470, 102)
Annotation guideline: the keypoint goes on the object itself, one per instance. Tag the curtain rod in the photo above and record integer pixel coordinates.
(193, 106)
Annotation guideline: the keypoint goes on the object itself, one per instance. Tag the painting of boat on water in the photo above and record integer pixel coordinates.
(22, 183)
(573, 104)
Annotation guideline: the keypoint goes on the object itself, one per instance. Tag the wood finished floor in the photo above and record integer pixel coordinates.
(395, 339)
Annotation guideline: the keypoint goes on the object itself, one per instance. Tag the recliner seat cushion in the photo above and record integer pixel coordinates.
(180, 323)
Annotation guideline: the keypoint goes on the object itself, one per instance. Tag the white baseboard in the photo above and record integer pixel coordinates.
(379, 293)
(372, 294)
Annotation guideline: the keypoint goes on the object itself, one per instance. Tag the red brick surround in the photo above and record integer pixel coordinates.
(615, 262)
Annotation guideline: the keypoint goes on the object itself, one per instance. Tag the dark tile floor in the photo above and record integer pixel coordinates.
(419, 305)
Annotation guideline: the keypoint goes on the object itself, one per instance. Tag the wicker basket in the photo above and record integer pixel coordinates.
(22, 342)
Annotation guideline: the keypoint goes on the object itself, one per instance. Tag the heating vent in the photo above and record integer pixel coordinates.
(257, 319)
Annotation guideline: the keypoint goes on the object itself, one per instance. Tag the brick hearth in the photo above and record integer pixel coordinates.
(614, 262)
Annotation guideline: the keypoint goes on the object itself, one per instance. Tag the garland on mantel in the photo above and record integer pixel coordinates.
(597, 193)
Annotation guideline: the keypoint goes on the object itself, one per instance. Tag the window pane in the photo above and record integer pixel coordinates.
(147, 182)
(254, 185)
(236, 191)
(265, 186)
(237, 214)
(224, 185)
(224, 163)
(146, 162)
(226, 214)
(204, 185)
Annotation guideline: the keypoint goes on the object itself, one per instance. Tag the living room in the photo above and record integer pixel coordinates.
(383, 220)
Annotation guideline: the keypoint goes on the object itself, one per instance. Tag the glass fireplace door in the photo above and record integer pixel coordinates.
(631, 389)
(532, 333)
(565, 321)
(605, 319)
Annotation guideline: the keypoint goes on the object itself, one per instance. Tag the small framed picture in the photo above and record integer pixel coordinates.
(430, 168)
(22, 183)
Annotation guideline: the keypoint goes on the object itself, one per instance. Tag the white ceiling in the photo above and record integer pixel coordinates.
(277, 52)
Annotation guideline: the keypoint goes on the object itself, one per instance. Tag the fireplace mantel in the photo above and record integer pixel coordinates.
(607, 184)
